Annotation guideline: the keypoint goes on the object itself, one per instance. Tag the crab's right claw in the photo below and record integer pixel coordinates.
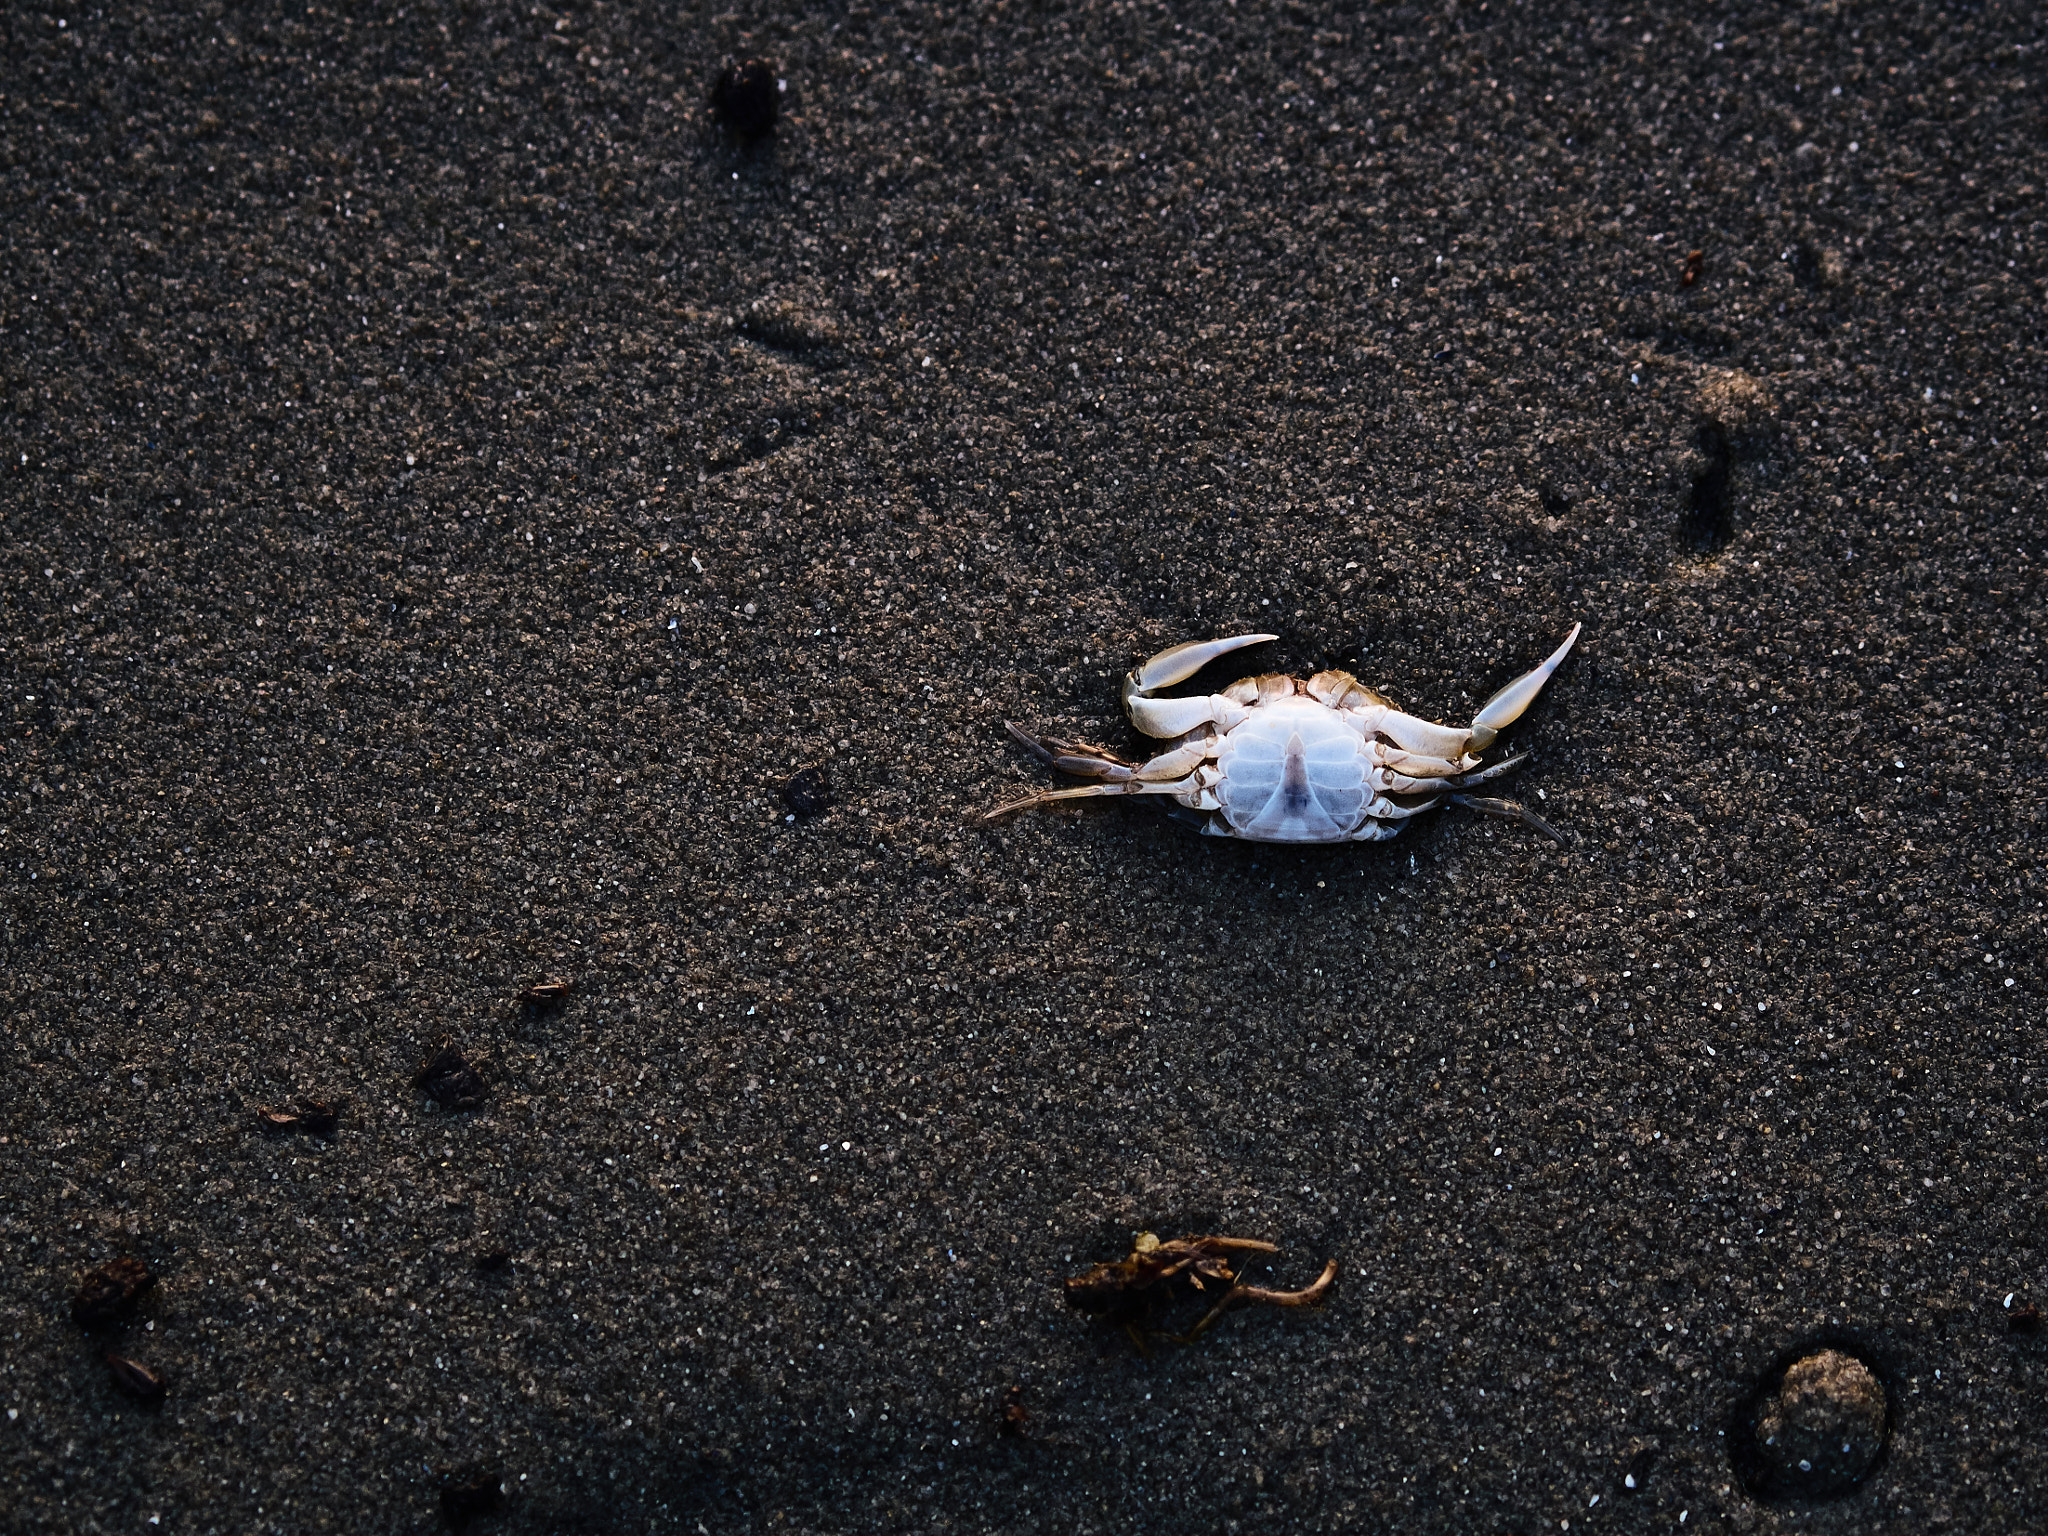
(1505, 707)
(1178, 663)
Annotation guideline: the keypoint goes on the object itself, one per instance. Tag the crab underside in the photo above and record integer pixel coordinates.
(1274, 759)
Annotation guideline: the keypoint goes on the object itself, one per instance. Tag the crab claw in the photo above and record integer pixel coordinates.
(1177, 663)
(1505, 707)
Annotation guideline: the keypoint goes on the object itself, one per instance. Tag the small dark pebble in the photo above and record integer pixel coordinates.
(136, 1379)
(545, 996)
(1013, 1416)
(747, 98)
(466, 1496)
(450, 1081)
(496, 1262)
(1695, 264)
(109, 1293)
(2025, 1319)
(808, 793)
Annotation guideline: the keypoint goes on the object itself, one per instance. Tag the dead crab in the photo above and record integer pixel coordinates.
(1276, 760)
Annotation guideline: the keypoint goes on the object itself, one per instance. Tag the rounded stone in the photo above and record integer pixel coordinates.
(1820, 1430)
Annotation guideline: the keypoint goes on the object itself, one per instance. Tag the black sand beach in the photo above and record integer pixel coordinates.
(452, 483)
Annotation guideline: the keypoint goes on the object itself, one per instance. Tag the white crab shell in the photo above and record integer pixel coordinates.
(1276, 760)
(1294, 771)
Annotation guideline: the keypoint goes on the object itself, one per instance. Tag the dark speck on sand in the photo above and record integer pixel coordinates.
(456, 486)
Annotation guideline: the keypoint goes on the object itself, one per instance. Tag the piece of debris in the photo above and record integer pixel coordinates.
(109, 1293)
(467, 1496)
(136, 1379)
(1695, 264)
(450, 1081)
(1128, 1291)
(312, 1116)
(1012, 1417)
(2025, 1319)
(748, 97)
(495, 1262)
(807, 793)
(546, 996)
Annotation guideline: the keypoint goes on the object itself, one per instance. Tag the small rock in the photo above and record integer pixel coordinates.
(450, 1081)
(1821, 1429)
(109, 1293)
(747, 97)
(495, 1262)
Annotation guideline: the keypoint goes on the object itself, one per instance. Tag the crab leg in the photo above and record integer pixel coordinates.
(1075, 757)
(1505, 707)
(1086, 762)
(1378, 831)
(1425, 743)
(1510, 810)
(1395, 782)
(1087, 791)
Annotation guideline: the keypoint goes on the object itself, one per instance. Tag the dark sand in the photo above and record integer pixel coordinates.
(449, 486)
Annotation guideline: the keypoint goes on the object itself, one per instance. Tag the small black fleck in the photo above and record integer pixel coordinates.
(450, 1081)
(546, 996)
(2026, 1320)
(496, 1262)
(470, 1495)
(747, 97)
(318, 1118)
(109, 1293)
(808, 793)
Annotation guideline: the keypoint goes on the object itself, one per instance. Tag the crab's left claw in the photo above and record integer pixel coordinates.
(1506, 707)
(1176, 664)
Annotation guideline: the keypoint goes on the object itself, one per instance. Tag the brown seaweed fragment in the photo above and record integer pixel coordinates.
(546, 995)
(1128, 1291)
